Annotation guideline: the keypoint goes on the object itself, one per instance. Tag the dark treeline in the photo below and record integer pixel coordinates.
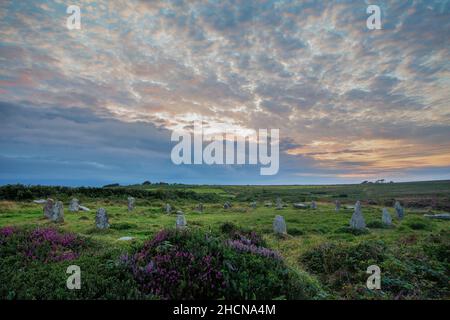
(19, 192)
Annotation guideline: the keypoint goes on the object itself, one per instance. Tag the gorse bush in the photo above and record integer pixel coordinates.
(193, 265)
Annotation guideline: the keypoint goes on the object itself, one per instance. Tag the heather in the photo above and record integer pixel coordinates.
(195, 265)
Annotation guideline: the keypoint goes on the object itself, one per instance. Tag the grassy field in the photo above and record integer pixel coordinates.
(308, 229)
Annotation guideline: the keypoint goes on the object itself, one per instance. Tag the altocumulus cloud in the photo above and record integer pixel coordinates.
(96, 105)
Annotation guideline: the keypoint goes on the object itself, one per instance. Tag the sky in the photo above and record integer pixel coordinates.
(98, 105)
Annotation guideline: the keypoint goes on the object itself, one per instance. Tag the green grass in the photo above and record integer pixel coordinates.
(309, 228)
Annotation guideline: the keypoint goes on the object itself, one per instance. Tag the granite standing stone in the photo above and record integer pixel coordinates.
(386, 217)
(57, 212)
(168, 208)
(101, 219)
(313, 205)
(227, 205)
(48, 208)
(253, 204)
(131, 202)
(357, 220)
(74, 205)
(279, 225)
(337, 206)
(181, 222)
(279, 204)
(399, 210)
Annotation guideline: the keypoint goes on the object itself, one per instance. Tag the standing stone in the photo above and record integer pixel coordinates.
(279, 225)
(181, 222)
(168, 208)
(227, 205)
(399, 210)
(74, 205)
(48, 208)
(199, 207)
(313, 205)
(386, 217)
(131, 202)
(338, 206)
(253, 205)
(279, 204)
(101, 219)
(357, 220)
(57, 212)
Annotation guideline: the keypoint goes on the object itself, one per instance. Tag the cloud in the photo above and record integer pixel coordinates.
(310, 68)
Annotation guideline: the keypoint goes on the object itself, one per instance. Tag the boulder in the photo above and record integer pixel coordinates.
(48, 208)
(279, 225)
(58, 212)
(399, 210)
(337, 206)
(101, 219)
(74, 205)
(181, 222)
(386, 217)
(357, 219)
(441, 216)
(131, 202)
(299, 205)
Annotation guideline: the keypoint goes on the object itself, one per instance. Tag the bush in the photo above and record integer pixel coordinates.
(192, 265)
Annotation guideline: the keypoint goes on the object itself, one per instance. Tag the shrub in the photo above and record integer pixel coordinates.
(193, 265)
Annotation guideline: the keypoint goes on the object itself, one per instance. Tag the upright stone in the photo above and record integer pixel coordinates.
(253, 205)
(357, 220)
(57, 212)
(48, 208)
(74, 205)
(167, 208)
(101, 219)
(199, 207)
(337, 206)
(399, 210)
(279, 204)
(181, 222)
(386, 217)
(227, 205)
(279, 225)
(313, 205)
(131, 202)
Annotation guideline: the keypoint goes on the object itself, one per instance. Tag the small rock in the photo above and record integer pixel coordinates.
(267, 204)
(300, 205)
(442, 216)
(199, 207)
(227, 205)
(101, 219)
(40, 201)
(279, 225)
(125, 238)
(83, 208)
